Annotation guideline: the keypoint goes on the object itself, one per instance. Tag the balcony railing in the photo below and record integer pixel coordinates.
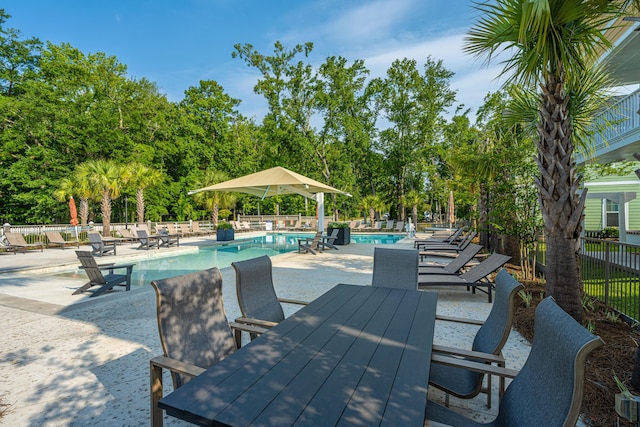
(623, 118)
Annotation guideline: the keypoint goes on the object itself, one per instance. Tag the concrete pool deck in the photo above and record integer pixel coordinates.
(71, 360)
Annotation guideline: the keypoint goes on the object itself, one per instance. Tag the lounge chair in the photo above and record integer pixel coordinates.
(96, 278)
(184, 229)
(447, 238)
(395, 268)
(259, 304)
(549, 389)
(377, 226)
(297, 226)
(310, 245)
(200, 231)
(55, 238)
(474, 278)
(399, 227)
(17, 242)
(127, 235)
(193, 328)
(487, 345)
(165, 239)
(456, 265)
(388, 225)
(147, 241)
(100, 246)
(441, 249)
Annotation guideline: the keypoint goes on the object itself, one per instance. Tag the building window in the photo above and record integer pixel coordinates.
(613, 208)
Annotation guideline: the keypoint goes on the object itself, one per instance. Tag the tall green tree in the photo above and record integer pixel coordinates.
(414, 104)
(549, 43)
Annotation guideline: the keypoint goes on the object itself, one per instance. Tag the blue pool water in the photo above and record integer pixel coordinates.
(223, 255)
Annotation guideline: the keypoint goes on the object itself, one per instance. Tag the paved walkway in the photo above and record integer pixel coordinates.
(71, 360)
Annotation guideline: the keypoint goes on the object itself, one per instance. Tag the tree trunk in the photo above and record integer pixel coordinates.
(84, 211)
(140, 205)
(106, 213)
(561, 207)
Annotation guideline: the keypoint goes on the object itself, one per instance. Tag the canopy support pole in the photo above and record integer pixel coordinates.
(320, 200)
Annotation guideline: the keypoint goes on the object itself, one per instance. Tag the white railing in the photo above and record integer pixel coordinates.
(623, 117)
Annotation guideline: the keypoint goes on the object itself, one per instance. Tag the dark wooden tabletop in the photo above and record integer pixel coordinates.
(357, 355)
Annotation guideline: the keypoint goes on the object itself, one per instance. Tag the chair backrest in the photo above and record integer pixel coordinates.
(90, 266)
(493, 334)
(142, 234)
(54, 236)
(15, 238)
(453, 237)
(399, 226)
(486, 267)
(254, 287)
(184, 228)
(377, 225)
(95, 239)
(395, 268)
(550, 385)
(466, 240)
(334, 235)
(192, 323)
(463, 258)
(126, 233)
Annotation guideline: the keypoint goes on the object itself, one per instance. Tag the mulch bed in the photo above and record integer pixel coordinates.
(615, 357)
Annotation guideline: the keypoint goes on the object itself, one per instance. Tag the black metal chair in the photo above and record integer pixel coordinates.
(257, 297)
(193, 327)
(487, 345)
(548, 389)
(395, 268)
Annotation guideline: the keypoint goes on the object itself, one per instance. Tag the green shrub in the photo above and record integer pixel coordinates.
(224, 226)
(338, 225)
(611, 232)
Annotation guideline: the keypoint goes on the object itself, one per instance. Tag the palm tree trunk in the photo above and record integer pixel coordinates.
(140, 205)
(561, 207)
(84, 210)
(106, 213)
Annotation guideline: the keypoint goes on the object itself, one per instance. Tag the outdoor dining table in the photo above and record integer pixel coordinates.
(357, 355)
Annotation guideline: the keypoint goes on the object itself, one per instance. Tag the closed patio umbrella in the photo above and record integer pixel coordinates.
(73, 213)
(274, 181)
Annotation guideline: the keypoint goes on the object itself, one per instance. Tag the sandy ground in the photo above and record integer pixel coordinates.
(71, 360)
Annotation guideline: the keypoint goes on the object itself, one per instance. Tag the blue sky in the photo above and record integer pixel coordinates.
(177, 43)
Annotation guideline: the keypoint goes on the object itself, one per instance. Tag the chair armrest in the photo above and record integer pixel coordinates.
(253, 329)
(256, 322)
(460, 320)
(115, 266)
(470, 354)
(177, 366)
(293, 301)
(248, 328)
(473, 366)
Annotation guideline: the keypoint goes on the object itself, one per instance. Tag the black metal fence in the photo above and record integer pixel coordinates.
(610, 272)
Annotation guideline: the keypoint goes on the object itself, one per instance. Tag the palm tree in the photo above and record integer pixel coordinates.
(78, 185)
(106, 177)
(413, 198)
(213, 200)
(139, 176)
(551, 43)
(371, 204)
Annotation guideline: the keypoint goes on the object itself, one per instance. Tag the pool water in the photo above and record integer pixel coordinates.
(222, 256)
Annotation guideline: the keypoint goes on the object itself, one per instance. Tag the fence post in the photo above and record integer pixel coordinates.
(607, 271)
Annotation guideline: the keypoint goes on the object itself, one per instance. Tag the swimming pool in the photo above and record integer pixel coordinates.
(222, 256)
